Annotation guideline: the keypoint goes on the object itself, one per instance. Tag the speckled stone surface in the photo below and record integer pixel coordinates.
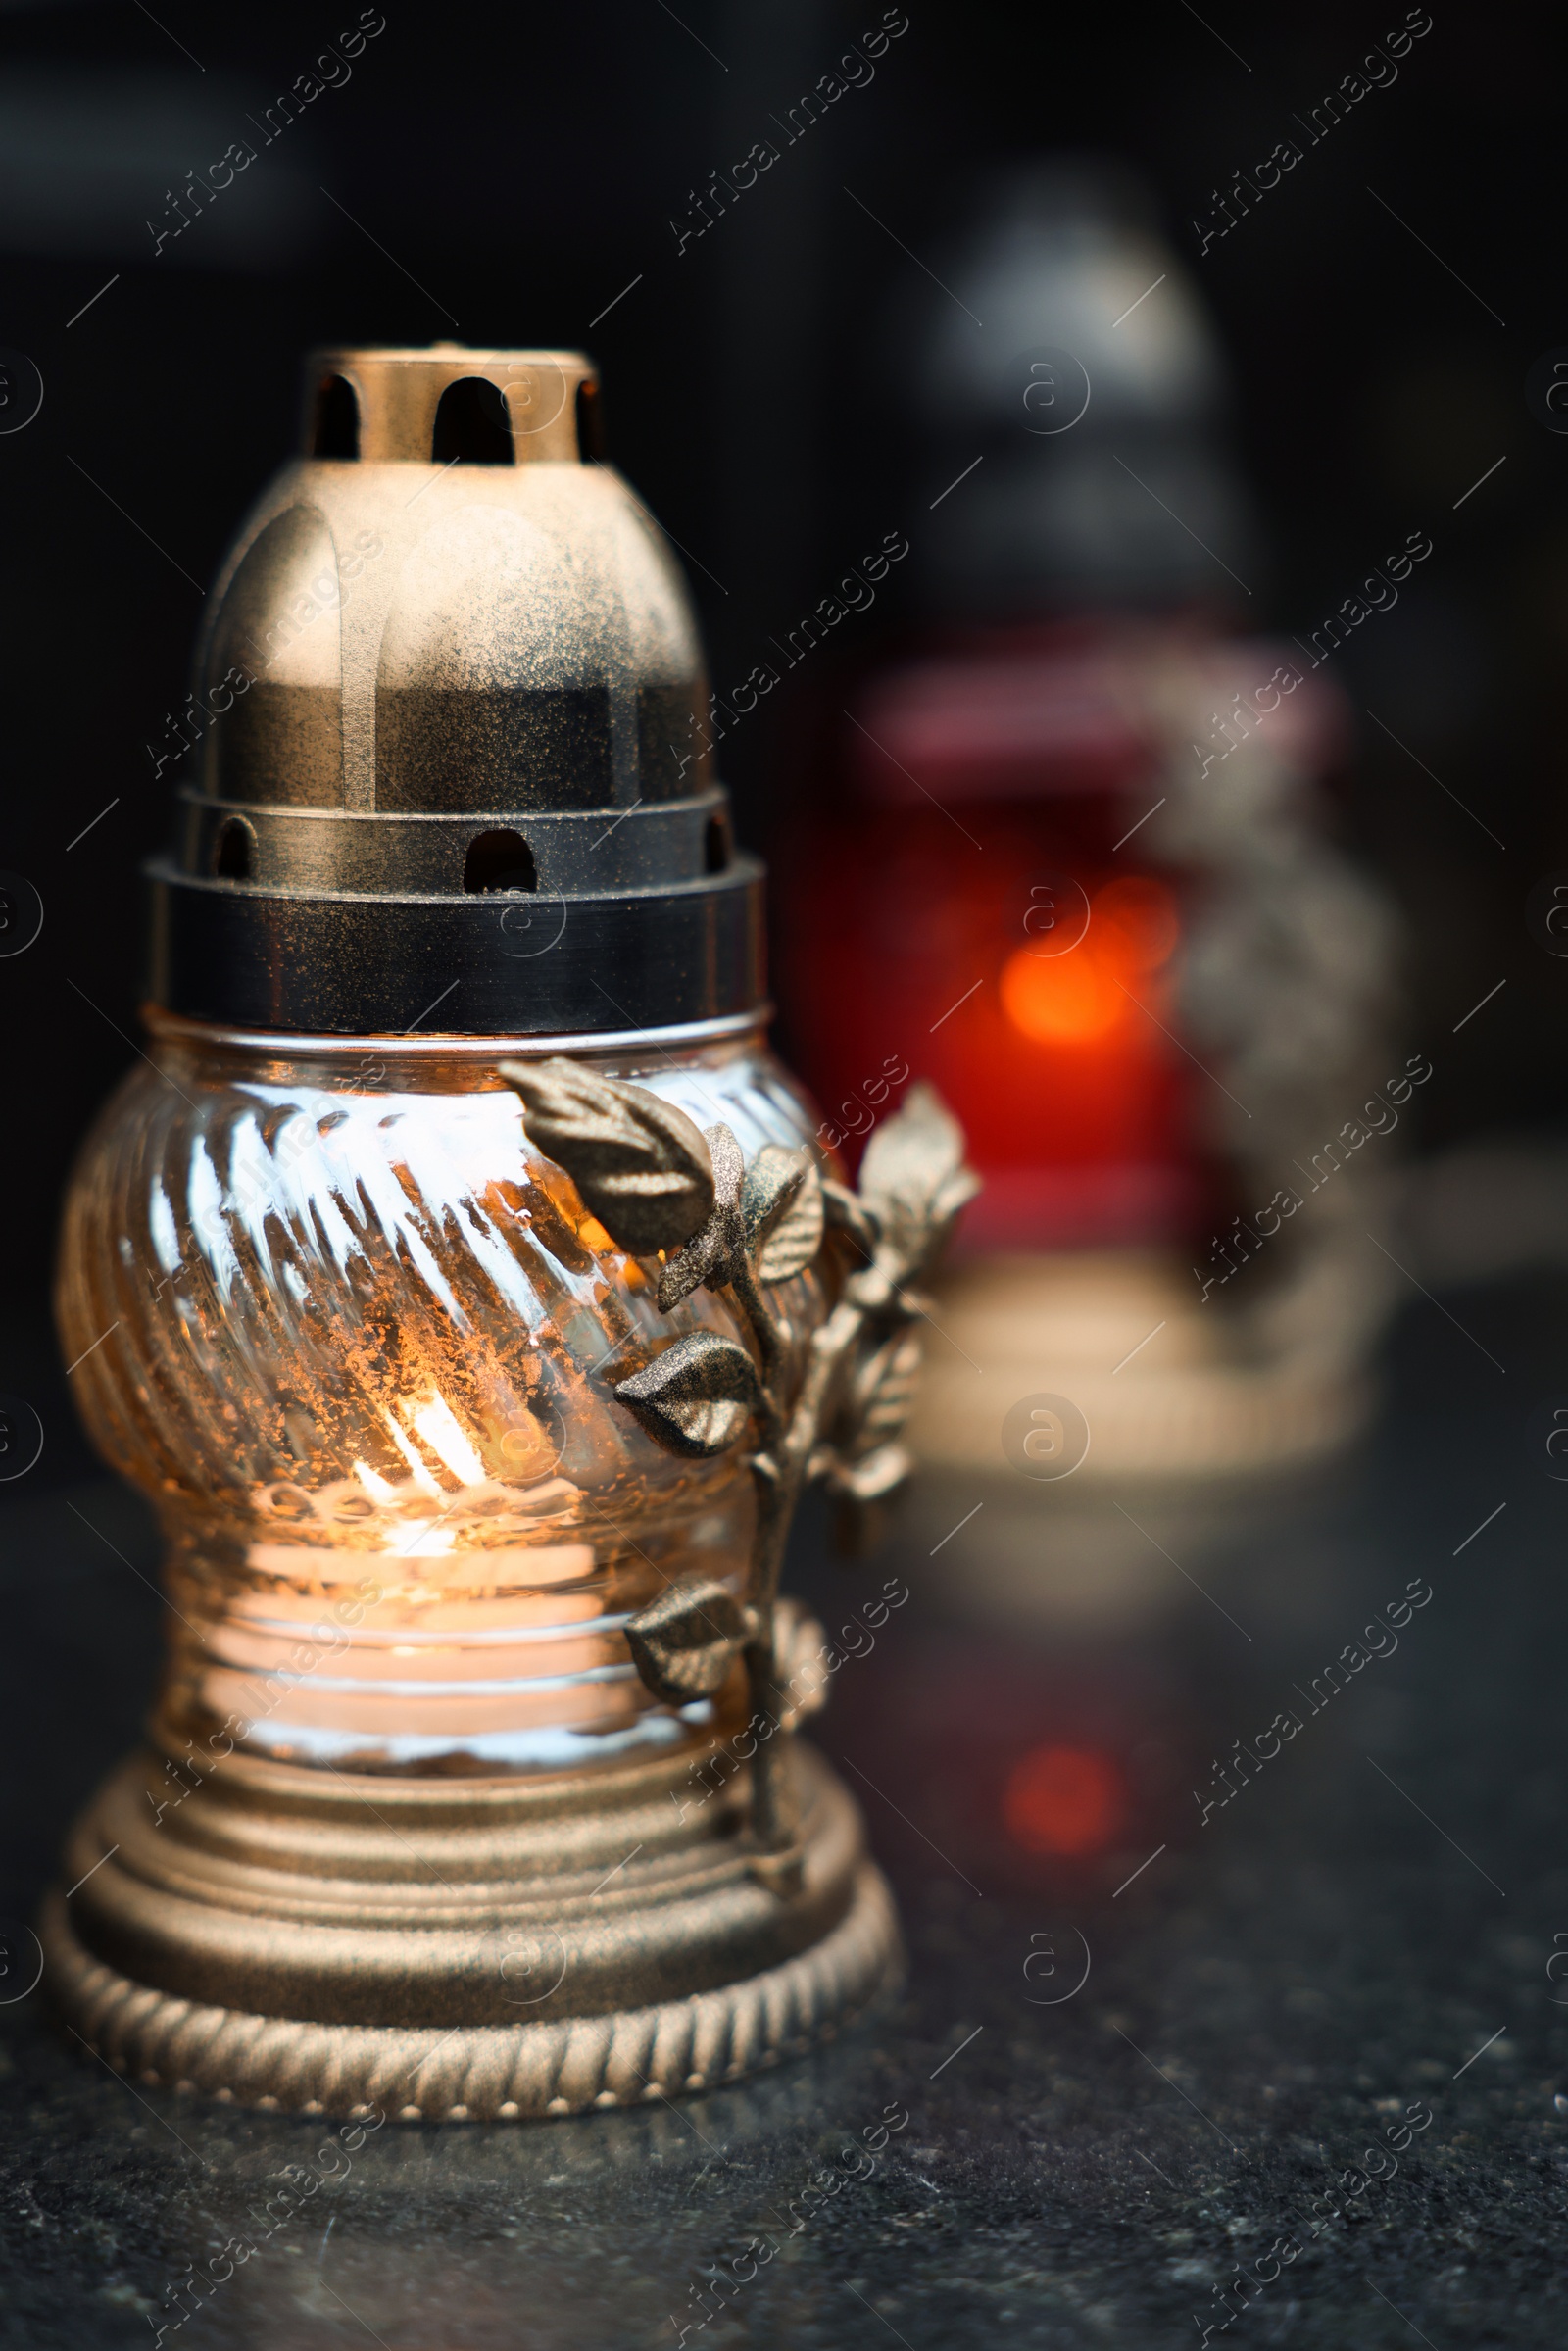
(1272, 2002)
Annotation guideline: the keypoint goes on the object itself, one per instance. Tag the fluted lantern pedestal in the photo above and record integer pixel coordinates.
(452, 1955)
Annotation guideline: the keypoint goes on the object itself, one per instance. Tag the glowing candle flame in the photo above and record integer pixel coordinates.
(416, 1470)
(437, 1425)
(429, 1539)
(376, 1487)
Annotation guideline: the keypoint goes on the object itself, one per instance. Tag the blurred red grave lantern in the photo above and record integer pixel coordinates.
(1073, 863)
(995, 904)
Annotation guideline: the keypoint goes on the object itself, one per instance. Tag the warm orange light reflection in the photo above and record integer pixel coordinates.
(1063, 1801)
(1087, 993)
(1069, 1001)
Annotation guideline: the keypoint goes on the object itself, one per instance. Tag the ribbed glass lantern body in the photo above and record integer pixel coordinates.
(426, 1822)
(357, 1342)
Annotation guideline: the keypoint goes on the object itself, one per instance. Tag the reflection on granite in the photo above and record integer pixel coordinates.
(1165, 2072)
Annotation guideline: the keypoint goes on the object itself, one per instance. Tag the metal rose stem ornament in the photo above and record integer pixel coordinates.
(656, 1183)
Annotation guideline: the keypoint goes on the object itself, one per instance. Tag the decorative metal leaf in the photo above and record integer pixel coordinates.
(843, 1212)
(708, 1255)
(911, 1154)
(912, 1175)
(640, 1165)
(705, 1259)
(696, 1395)
(729, 1165)
(771, 1182)
(683, 1643)
(874, 1476)
(781, 1203)
(885, 1385)
(799, 1642)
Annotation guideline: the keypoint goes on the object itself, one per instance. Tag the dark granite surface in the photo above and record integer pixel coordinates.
(1288, 1999)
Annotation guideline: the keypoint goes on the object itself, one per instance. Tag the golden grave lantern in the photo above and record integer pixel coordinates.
(455, 1278)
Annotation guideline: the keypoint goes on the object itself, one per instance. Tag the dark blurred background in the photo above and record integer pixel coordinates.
(501, 177)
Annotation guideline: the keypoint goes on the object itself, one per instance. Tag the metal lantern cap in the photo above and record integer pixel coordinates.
(444, 731)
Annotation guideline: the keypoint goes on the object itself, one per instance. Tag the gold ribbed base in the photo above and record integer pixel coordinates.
(479, 2072)
(459, 1950)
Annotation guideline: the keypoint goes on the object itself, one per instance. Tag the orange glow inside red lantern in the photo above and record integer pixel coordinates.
(1087, 993)
(907, 953)
(985, 784)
